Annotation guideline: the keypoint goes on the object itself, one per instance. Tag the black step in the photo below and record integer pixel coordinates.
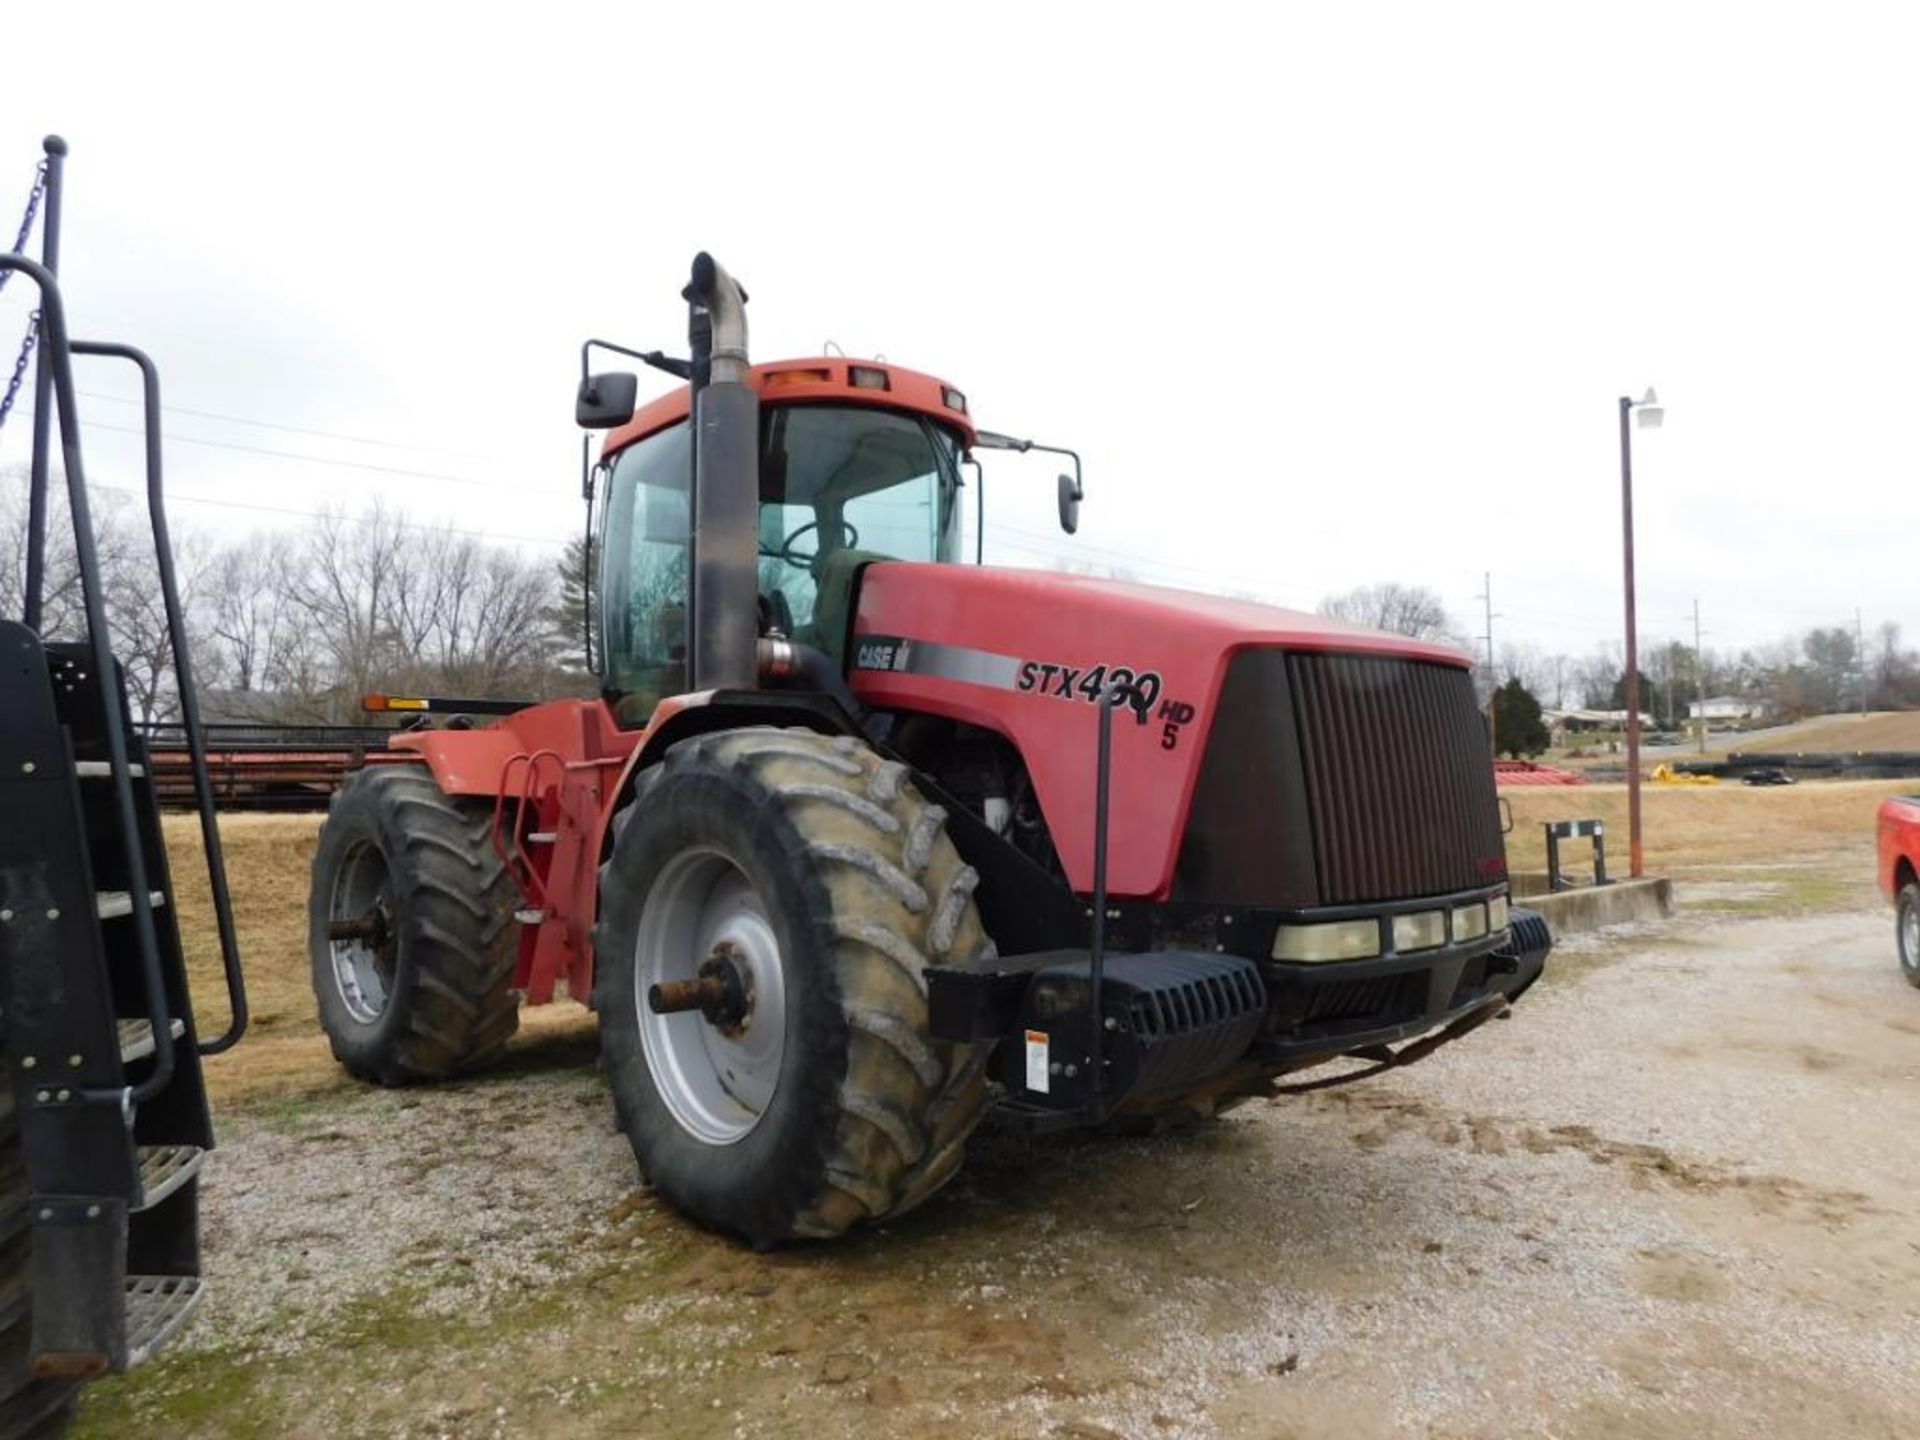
(136, 1038)
(112, 904)
(164, 1169)
(101, 770)
(157, 1306)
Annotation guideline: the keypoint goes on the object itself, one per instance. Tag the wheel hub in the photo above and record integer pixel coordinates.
(361, 939)
(710, 996)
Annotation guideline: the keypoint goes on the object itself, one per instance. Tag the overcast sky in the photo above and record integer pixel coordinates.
(1325, 295)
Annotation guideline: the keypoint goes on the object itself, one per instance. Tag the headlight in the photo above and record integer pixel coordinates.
(1337, 940)
(1497, 916)
(1469, 923)
(1424, 931)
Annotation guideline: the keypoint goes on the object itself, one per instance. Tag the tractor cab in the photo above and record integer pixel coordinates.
(857, 462)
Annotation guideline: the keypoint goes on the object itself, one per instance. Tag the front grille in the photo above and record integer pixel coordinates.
(1386, 999)
(1399, 788)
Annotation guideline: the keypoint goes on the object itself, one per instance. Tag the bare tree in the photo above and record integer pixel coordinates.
(142, 641)
(129, 586)
(252, 619)
(344, 589)
(1399, 609)
(1524, 662)
(1595, 676)
(123, 560)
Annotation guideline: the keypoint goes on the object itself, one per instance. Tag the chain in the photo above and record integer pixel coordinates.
(20, 367)
(32, 336)
(26, 229)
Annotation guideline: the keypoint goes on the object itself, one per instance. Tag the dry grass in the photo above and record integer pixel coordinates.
(1806, 847)
(268, 859)
(1831, 734)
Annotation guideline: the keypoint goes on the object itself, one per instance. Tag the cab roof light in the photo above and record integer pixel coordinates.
(868, 377)
(953, 399)
(797, 375)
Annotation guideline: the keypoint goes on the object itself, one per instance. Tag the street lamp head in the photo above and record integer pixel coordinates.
(1650, 410)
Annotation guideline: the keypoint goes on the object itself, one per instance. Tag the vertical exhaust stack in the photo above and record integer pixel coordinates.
(725, 629)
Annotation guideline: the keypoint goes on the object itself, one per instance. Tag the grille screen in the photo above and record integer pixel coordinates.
(1400, 794)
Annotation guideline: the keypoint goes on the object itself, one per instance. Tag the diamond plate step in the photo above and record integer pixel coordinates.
(136, 1038)
(157, 1306)
(164, 1169)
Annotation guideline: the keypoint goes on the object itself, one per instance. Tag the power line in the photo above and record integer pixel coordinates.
(289, 429)
(305, 459)
(174, 497)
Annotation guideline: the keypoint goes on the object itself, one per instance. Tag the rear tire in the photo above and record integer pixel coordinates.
(432, 997)
(1906, 930)
(28, 1407)
(819, 868)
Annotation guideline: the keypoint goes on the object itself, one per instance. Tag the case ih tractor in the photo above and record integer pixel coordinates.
(861, 841)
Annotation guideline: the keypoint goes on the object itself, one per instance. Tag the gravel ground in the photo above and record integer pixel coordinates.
(1674, 1195)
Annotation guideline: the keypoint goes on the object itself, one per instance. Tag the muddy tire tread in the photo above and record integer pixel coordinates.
(458, 901)
(896, 897)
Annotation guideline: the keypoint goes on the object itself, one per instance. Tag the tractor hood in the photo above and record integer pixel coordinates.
(1022, 599)
(1027, 653)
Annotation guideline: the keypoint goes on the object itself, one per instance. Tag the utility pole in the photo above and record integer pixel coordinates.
(1860, 659)
(1700, 675)
(1650, 417)
(1493, 678)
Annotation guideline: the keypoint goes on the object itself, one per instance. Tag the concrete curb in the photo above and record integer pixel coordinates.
(1592, 906)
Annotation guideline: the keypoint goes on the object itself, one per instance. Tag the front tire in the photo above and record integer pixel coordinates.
(815, 870)
(425, 991)
(1906, 930)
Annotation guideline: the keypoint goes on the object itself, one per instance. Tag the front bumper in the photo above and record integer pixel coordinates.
(1318, 1012)
(1172, 1020)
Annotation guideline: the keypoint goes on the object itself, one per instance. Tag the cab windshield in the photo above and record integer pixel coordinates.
(839, 485)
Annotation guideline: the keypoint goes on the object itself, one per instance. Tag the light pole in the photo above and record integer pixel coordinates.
(1651, 415)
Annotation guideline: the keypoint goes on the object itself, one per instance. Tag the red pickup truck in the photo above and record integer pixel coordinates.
(1900, 875)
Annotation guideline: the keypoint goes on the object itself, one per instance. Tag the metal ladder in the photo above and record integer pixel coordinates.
(96, 1024)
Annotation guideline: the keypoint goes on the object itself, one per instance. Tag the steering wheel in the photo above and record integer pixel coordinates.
(786, 551)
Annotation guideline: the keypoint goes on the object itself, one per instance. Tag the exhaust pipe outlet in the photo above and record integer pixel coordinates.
(726, 484)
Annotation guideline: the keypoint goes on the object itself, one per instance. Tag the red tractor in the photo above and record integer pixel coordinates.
(861, 841)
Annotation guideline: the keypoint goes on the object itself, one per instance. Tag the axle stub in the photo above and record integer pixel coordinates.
(719, 993)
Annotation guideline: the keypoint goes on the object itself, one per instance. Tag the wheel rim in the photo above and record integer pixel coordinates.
(1910, 936)
(363, 966)
(717, 1080)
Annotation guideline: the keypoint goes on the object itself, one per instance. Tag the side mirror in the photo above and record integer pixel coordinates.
(606, 400)
(1070, 498)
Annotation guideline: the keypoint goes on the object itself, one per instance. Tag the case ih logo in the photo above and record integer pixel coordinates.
(883, 654)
